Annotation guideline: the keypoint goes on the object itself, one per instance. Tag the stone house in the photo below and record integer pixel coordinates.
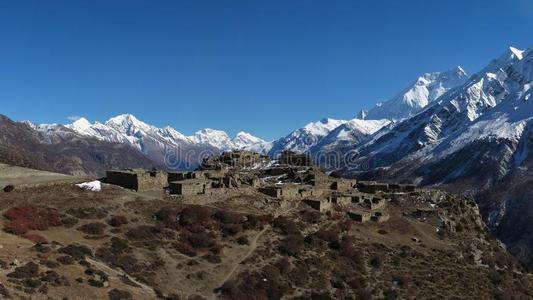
(359, 216)
(320, 205)
(137, 179)
(375, 203)
(190, 187)
(343, 185)
(340, 199)
(285, 191)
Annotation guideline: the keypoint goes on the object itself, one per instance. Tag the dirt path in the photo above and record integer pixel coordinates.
(116, 273)
(253, 247)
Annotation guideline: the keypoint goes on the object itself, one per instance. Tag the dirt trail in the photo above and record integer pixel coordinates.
(116, 273)
(253, 247)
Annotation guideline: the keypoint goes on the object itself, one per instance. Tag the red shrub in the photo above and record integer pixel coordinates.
(117, 221)
(28, 217)
(17, 227)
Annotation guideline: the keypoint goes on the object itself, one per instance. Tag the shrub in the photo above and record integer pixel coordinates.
(69, 222)
(231, 229)
(283, 265)
(142, 232)
(93, 228)
(3, 291)
(243, 240)
(292, 244)
(345, 225)
(119, 245)
(310, 216)
(390, 295)
(212, 258)
(195, 214)
(117, 221)
(88, 213)
(29, 270)
(76, 251)
(115, 294)
(495, 277)
(328, 235)
(185, 249)
(228, 217)
(199, 240)
(376, 262)
(287, 226)
(26, 217)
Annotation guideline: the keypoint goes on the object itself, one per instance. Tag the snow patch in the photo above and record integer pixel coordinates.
(94, 186)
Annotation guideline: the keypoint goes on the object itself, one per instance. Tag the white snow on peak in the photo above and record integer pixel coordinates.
(323, 127)
(244, 138)
(126, 128)
(128, 124)
(368, 126)
(213, 137)
(518, 53)
(426, 89)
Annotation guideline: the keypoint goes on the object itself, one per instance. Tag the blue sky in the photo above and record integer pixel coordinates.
(266, 67)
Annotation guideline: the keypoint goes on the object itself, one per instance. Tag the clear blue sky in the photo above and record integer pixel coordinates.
(266, 67)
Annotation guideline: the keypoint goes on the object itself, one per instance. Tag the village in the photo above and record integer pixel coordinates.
(291, 178)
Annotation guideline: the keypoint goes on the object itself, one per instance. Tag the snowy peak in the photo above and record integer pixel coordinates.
(305, 138)
(322, 127)
(126, 128)
(81, 124)
(217, 138)
(242, 139)
(128, 124)
(366, 126)
(426, 89)
(516, 52)
(510, 56)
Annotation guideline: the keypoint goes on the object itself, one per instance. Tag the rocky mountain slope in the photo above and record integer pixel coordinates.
(470, 140)
(303, 139)
(119, 244)
(70, 153)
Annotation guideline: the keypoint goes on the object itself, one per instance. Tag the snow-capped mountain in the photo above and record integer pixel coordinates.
(475, 138)
(303, 139)
(426, 89)
(484, 108)
(350, 133)
(165, 146)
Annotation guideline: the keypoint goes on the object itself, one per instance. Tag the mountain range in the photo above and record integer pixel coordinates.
(470, 134)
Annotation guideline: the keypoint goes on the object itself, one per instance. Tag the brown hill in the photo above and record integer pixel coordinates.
(74, 154)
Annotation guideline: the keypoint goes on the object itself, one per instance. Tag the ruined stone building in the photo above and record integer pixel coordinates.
(190, 187)
(322, 205)
(137, 179)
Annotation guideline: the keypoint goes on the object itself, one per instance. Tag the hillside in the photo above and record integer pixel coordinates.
(237, 242)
